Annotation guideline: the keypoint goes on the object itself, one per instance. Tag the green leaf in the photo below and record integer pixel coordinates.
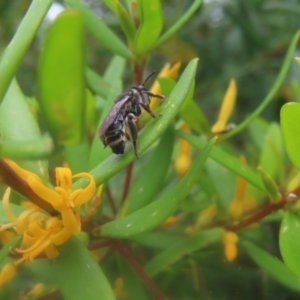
(6, 249)
(17, 124)
(78, 274)
(290, 126)
(99, 29)
(228, 161)
(150, 216)
(17, 210)
(144, 189)
(96, 83)
(151, 24)
(61, 78)
(16, 50)
(185, 246)
(271, 158)
(184, 18)
(30, 149)
(289, 241)
(126, 22)
(150, 133)
(272, 92)
(270, 185)
(273, 266)
(78, 156)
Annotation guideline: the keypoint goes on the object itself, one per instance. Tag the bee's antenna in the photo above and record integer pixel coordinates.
(148, 77)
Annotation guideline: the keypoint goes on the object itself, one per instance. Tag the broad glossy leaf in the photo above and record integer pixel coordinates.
(17, 124)
(185, 246)
(150, 216)
(61, 84)
(144, 189)
(150, 133)
(15, 51)
(290, 126)
(273, 266)
(176, 26)
(151, 24)
(79, 275)
(100, 30)
(228, 161)
(289, 241)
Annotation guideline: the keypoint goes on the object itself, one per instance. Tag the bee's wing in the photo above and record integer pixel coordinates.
(110, 118)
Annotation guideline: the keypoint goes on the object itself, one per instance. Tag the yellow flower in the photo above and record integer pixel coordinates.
(183, 161)
(41, 232)
(230, 240)
(226, 108)
(236, 208)
(168, 71)
(7, 273)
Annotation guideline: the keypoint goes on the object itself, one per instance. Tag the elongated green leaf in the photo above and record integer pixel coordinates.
(31, 149)
(115, 70)
(182, 248)
(17, 124)
(289, 241)
(273, 266)
(151, 24)
(277, 84)
(100, 30)
(96, 83)
(175, 27)
(21, 41)
(290, 126)
(155, 213)
(226, 160)
(126, 22)
(61, 78)
(150, 133)
(144, 188)
(78, 273)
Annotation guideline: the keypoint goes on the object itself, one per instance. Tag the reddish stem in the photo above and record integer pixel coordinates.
(100, 244)
(127, 254)
(127, 182)
(50, 295)
(111, 200)
(270, 208)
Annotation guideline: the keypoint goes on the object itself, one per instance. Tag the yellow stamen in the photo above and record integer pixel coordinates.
(226, 108)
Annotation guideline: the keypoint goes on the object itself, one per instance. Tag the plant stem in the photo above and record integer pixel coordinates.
(127, 254)
(270, 208)
(111, 200)
(127, 182)
(13, 180)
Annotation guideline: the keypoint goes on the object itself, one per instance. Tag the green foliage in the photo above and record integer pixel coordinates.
(161, 226)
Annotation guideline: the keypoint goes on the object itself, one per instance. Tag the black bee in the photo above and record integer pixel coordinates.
(120, 125)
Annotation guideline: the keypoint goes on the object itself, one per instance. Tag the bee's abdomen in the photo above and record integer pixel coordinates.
(115, 136)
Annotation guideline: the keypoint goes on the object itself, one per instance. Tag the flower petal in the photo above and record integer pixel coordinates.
(6, 206)
(51, 251)
(87, 193)
(61, 237)
(64, 178)
(44, 192)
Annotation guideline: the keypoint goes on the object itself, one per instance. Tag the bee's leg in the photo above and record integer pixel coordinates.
(148, 110)
(162, 97)
(132, 131)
